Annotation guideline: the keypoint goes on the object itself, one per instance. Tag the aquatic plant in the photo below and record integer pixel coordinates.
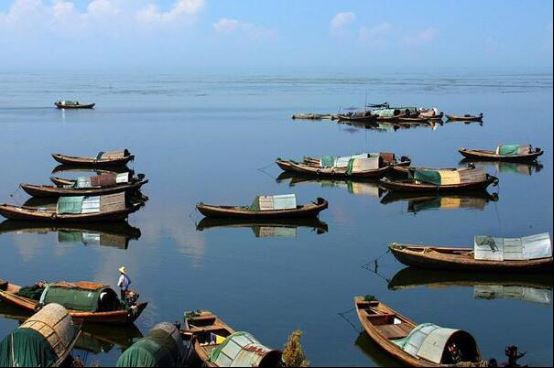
(293, 353)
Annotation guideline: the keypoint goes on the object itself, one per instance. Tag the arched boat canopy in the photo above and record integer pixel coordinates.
(43, 340)
(241, 349)
(429, 341)
(163, 347)
(81, 296)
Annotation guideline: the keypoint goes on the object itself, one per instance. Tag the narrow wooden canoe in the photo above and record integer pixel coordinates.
(93, 161)
(465, 117)
(411, 185)
(384, 326)
(490, 155)
(59, 105)
(50, 191)
(203, 324)
(49, 214)
(306, 210)
(122, 316)
(448, 258)
(219, 222)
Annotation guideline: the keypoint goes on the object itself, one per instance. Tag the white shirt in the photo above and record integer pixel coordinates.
(123, 282)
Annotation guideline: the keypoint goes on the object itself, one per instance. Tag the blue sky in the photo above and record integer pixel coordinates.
(286, 33)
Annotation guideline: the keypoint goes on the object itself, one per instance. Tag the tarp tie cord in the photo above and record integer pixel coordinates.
(343, 316)
(262, 170)
(14, 363)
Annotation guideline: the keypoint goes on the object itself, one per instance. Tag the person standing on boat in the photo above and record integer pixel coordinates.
(124, 282)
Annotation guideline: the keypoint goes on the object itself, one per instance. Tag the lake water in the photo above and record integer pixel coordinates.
(213, 138)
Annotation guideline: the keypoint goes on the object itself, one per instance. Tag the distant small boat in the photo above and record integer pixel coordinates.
(64, 104)
(357, 166)
(519, 153)
(87, 301)
(441, 180)
(218, 345)
(309, 116)
(466, 117)
(534, 253)
(110, 158)
(113, 207)
(259, 209)
(66, 190)
(424, 345)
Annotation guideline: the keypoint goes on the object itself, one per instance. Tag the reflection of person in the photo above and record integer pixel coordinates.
(124, 282)
(513, 356)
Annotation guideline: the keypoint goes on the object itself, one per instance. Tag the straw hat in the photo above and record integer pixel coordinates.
(123, 270)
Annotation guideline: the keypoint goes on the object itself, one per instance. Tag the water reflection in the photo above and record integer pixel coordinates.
(116, 234)
(535, 288)
(271, 228)
(392, 126)
(480, 123)
(434, 201)
(365, 188)
(94, 339)
(505, 167)
(98, 171)
(374, 352)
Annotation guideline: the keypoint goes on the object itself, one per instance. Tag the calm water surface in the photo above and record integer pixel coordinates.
(203, 138)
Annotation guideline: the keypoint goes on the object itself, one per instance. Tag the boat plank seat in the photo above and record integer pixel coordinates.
(399, 331)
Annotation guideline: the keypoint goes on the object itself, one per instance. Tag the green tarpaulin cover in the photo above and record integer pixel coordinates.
(427, 176)
(155, 350)
(73, 298)
(512, 149)
(70, 205)
(32, 292)
(328, 161)
(26, 347)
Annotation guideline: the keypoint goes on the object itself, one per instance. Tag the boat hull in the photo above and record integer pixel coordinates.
(310, 210)
(47, 191)
(90, 161)
(412, 186)
(492, 156)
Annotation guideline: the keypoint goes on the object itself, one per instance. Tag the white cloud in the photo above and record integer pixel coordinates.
(422, 37)
(180, 10)
(253, 31)
(376, 35)
(341, 20)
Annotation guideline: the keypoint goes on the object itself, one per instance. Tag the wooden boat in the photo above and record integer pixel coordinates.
(73, 105)
(91, 169)
(311, 166)
(490, 155)
(60, 182)
(357, 117)
(449, 258)
(389, 330)
(310, 116)
(106, 311)
(50, 191)
(306, 210)
(203, 326)
(411, 185)
(115, 158)
(466, 117)
(263, 228)
(50, 214)
(94, 338)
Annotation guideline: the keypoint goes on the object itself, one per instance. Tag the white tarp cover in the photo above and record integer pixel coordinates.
(512, 249)
(343, 161)
(428, 341)
(277, 202)
(364, 164)
(122, 178)
(525, 293)
(91, 205)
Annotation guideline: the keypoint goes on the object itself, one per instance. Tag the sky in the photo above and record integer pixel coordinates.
(340, 34)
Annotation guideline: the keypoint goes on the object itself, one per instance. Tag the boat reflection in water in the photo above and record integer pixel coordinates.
(117, 234)
(393, 126)
(92, 170)
(374, 351)
(535, 288)
(506, 167)
(356, 187)
(271, 228)
(94, 338)
(430, 201)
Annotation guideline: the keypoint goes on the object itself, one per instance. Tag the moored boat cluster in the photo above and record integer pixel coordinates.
(67, 308)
